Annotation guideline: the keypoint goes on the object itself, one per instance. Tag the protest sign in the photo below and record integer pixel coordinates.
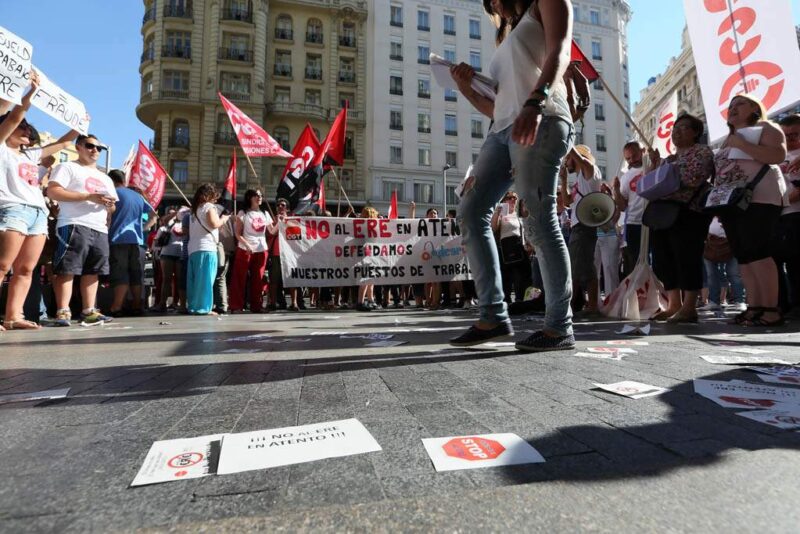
(749, 46)
(475, 452)
(50, 394)
(180, 459)
(323, 252)
(15, 66)
(634, 390)
(784, 417)
(725, 359)
(666, 115)
(60, 105)
(263, 449)
(737, 394)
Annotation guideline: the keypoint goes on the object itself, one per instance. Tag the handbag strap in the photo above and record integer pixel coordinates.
(760, 176)
(200, 222)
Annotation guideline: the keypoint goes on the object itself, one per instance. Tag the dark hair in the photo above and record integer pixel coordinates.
(279, 200)
(81, 138)
(205, 193)
(631, 144)
(506, 25)
(695, 124)
(248, 197)
(34, 133)
(117, 176)
(790, 120)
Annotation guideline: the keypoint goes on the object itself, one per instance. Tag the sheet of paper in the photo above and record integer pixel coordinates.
(15, 66)
(633, 390)
(747, 350)
(772, 379)
(737, 394)
(239, 351)
(263, 449)
(60, 105)
(633, 330)
(476, 452)
(623, 343)
(376, 337)
(786, 418)
(50, 394)
(440, 68)
(386, 343)
(601, 356)
(751, 135)
(619, 350)
(180, 459)
(726, 359)
(778, 370)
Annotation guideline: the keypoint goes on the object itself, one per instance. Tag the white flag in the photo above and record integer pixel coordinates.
(662, 137)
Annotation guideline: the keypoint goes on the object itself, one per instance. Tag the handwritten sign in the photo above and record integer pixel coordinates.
(60, 105)
(15, 66)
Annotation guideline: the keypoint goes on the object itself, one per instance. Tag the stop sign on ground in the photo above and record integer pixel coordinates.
(481, 451)
(473, 448)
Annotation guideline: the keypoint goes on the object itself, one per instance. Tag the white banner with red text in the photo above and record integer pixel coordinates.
(747, 46)
(328, 252)
(662, 137)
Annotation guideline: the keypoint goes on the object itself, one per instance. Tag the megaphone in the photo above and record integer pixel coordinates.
(595, 209)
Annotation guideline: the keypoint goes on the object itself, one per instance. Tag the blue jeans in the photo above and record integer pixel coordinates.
(728, 271)
(534, 170)
(24, 219)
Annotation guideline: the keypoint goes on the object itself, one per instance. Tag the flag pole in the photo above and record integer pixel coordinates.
(625, 112)
(341, 189)
(339, 205)
(177, 187)
(249, 162)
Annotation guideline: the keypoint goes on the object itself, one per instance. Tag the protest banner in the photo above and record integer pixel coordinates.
(180, 459)
(749, 46)
(475, 452)
(60, 105)
(666, 115)
(15, 66)
(323, 252)
(263, 449)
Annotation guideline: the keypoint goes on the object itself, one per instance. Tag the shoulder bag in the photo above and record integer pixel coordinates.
(732, 196)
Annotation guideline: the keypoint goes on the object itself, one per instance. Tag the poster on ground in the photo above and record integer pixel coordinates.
(180, 459)
(727, 359)
(15, 66)
(633, 390)
(787, 418)
(476, 452)
(738, 394)
(263, 449)
(324, 252)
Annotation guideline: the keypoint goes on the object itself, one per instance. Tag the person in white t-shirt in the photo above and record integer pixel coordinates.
(86, 197)
(790, 217)
(252, 225)
(204, 224)
(23, 213)
(631, 203)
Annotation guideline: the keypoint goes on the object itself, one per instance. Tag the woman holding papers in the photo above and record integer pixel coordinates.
(23, 213)
(531, 133)
(749, 157)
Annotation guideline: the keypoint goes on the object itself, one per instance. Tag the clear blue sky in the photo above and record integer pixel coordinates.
(91, 48)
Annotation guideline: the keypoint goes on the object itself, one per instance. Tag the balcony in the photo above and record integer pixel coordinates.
(237, 14)
(180, 52)
(347, 40)
(179, 142)
(313, 73)
(449, 32)
(179, 12)
(235, 54)
(423, 61)
(348, 77)
(282, 34)
(354, 116)
(182, 94)
(225, 138)
(423, 28)
(149, 16)
(474, 36)
(451, 132)
(146, 97)
(396, 23)
(396, 126)
(423, 94)
(148, 55)
(477, 135)
(314, 38)
(238, 96)
(297, 108)
(283, 70)
(395, 57)
(423, 129)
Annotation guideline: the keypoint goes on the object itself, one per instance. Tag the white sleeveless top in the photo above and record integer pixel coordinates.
(517, 65)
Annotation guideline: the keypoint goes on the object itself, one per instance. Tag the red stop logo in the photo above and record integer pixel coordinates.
(761, 403)
(473, 448)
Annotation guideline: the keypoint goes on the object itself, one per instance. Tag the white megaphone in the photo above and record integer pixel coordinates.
(595, 209)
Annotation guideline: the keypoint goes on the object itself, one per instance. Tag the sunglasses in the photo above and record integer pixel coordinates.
(90, 146)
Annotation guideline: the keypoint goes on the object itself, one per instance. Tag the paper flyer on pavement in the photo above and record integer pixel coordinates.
(50, 394)
(729, 359)
(780, 379)
(634, 390)
(180, 459)
(737, 394)
(786, 418)
(476, 452)
(778, 370)
(600, 356)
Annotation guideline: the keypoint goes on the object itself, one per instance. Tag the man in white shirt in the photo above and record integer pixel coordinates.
(86, 198)
(631, 203)
(790, 218)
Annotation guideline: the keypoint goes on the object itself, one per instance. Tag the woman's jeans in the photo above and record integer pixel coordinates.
(716, 273)
(533, 170)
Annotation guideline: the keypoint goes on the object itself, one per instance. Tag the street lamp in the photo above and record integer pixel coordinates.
(444, 179)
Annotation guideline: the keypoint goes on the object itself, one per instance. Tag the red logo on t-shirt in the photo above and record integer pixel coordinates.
(95, 185)
(635, 182)
(28, 173)
(258, 224)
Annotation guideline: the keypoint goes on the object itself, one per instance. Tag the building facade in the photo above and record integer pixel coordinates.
(284, 63)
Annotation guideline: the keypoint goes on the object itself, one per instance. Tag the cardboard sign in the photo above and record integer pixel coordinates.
(476, 452)
(263, 449)
(633, 390)
(50, 394)
(15, 66)
(787, 418)
(60, 105)
(738, 394)
(180, 459)
(725, 359)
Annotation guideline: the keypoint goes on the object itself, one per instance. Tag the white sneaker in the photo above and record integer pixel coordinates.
(711, 306)
(738, 307)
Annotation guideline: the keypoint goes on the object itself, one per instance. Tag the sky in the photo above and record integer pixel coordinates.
(92, 48)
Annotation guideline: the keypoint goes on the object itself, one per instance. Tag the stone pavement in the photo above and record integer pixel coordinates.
(676, 462)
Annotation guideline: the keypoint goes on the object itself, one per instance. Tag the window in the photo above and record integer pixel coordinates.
(476, 127)
(149, 49)
(451, 157)
(601, 142)
(180, 171)
(314, 31)
(602, 171)
(347, 100)
(180, 134)
(449, 24)
(594, 17)
(224, 126)
(348, 35)
(396, 154)
(450, 125)
(576, 13)
(236, 85)
(395, 120)
(396, 51)
(313, 97)
(597, 50)
(396, 16)
(283, 28)
(424, 122)
(423, 54)
(281, 135)
(450, 95)
(452, 198)
(347, 70)
(223, 164)
(313, 67)
(347, 177)
(424, 88)
(424, 154)
(423, 21)
(390, 186)
(283, 63)
(450, 55)
(236, 47)
(349, 145)
(175, 83)
(283, 94)
(178, 44)
(147, 84)
(395, 85)
(475, 60)
(474, 29)
(475, 157)
(598, 85)
(423, 192)
(599, 112)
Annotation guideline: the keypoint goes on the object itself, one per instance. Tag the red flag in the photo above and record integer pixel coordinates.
(229, 192)
(299, 182)
(254, 140)
(393, 206)
(148, 175)
(584, 65)
(332, 151)
(321, 200)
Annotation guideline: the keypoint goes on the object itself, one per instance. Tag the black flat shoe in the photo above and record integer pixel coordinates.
(476, 336)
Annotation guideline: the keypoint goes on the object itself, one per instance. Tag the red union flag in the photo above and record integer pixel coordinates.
(148, 175)
(254, 140)
(662, 137)
(748, 46)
